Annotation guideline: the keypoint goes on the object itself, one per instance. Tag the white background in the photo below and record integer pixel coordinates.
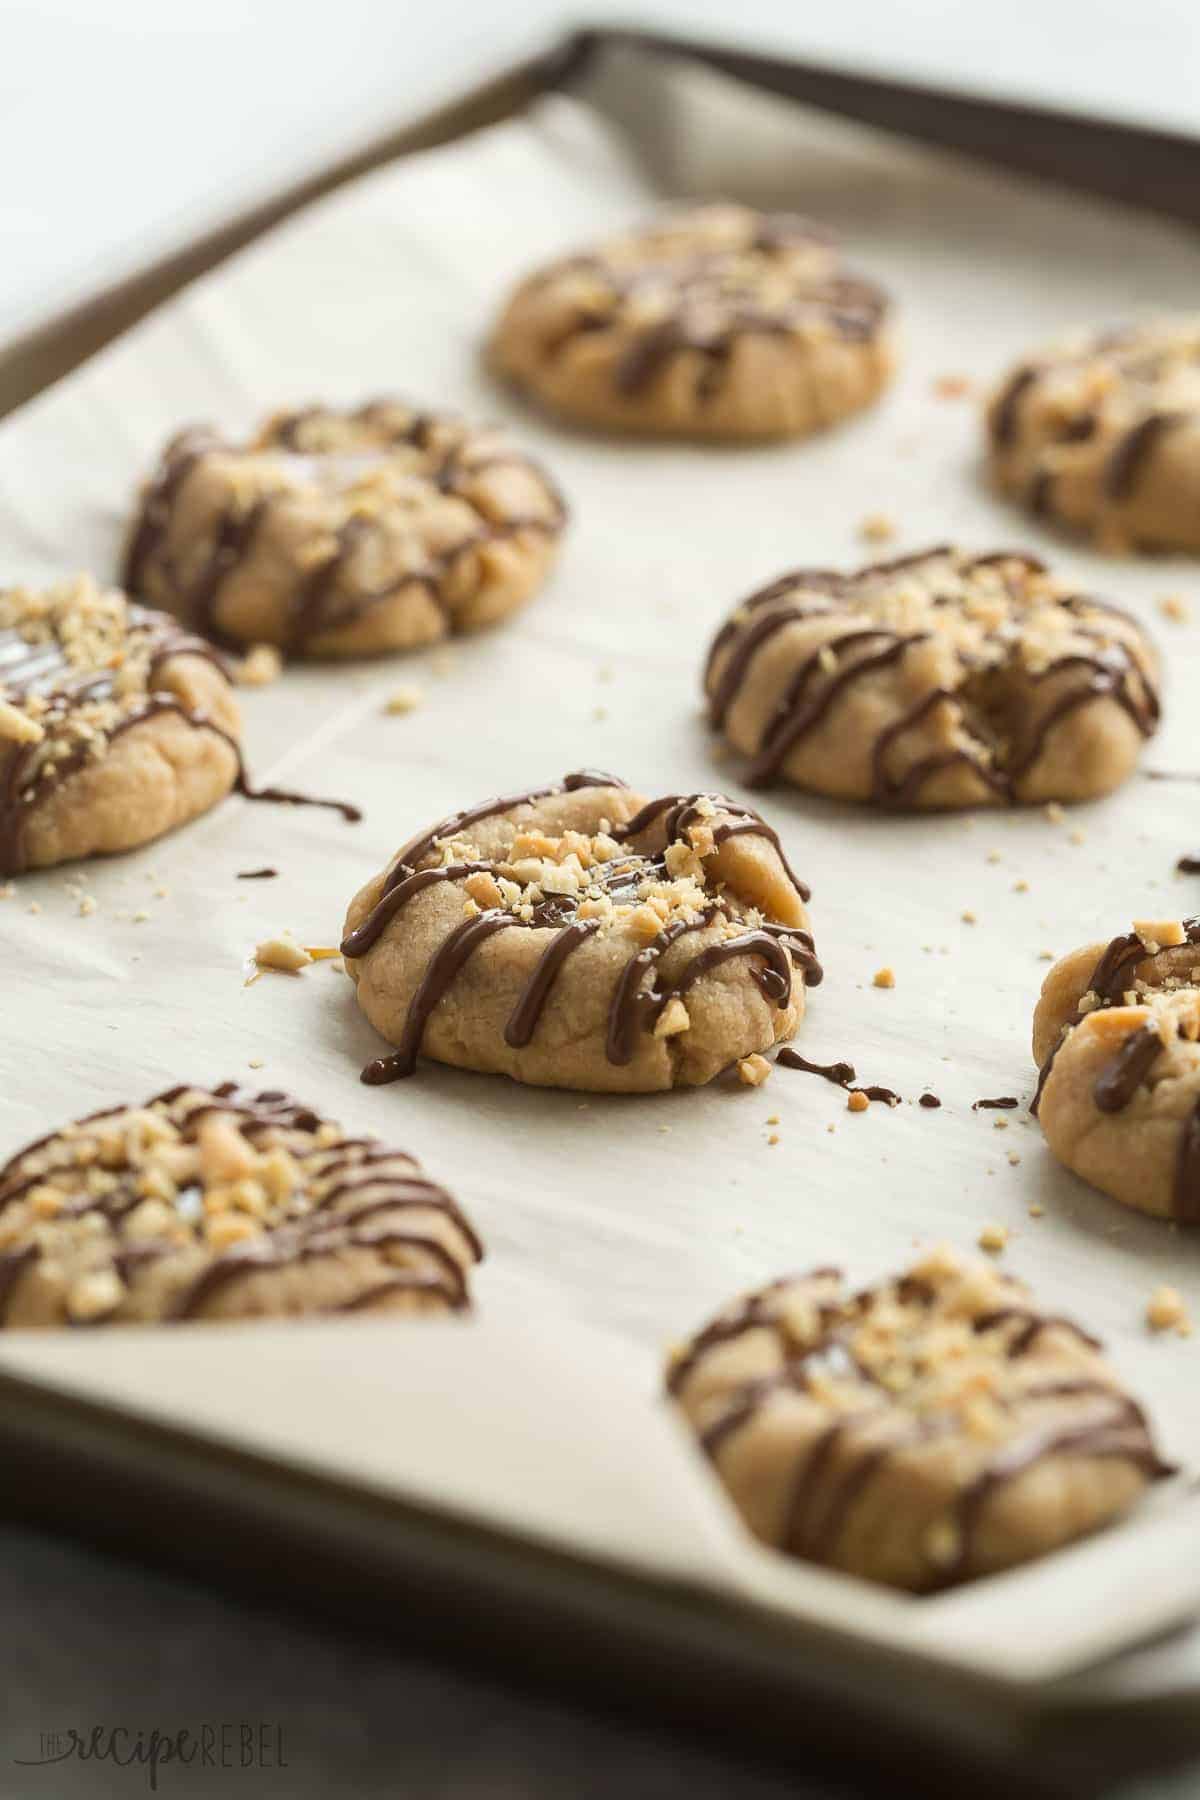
(128, 127)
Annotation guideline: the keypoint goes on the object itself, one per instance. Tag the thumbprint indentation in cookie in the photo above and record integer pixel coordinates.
(939, 679)
(721, 322)
(580, 936)
(210, 1204)
(919, 1433)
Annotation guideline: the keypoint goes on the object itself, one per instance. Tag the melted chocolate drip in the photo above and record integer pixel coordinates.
(929, 1100)
(257, 874)
(1002, 1103)
(1116, 1085)
(841, 1074)
(1188, 865)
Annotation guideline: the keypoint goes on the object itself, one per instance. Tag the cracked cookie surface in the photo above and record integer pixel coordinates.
(939, 679)
(579, 936)
(344, 533)
(1101, 432)
(919, 1433)
(1115, 1040)
(116, 725)
(222, 1204)
(720, 322)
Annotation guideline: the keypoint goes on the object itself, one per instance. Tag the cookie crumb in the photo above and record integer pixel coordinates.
(403, 700)
(33, 907)
(1036, 1211)
(773, 1119)
(1020, 887)
(1045, 956)
(1174, 606)
(282, 952)
(857, 1101)
(1077, 837)
(1014, 1158)
(952, 387)
(753, 1070)
(877, 528)
(7, 890)
(1166, 1309)
(87, 905)
(884, 978)
(969, 918)
(773, 1138)
(140, 916)
(993, 1238)
(1055, 813)
(256, 1062)
(261, 665)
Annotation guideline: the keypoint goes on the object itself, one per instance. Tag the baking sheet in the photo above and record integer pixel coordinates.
(615, 1225)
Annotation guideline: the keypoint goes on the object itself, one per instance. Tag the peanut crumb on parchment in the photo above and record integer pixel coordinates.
(282, 952)
(1166, 1310)
(884, 978)
(993, 1237)
(260, 666)
(403, 700)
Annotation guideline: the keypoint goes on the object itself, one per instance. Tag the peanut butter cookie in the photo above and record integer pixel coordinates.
(1115, 1038)
(935, 680)
(720, 322)
(919, 1433)
(222, 1204)
(578, 936)
(344, 533)
(1102, 433)
(115, 725)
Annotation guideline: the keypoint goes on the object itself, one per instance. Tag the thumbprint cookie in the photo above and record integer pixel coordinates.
(940, 679)
(1101, 433)
(116, 725)
(344, 533)
(1115, 1039)
(580, 936)
(210, 1204)
(720, 322)
(919, 1433)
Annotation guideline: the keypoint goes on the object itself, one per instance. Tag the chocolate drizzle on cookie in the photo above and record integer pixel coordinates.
(669, 300)
(639, 999)
(1135, 385)
(39, 667)
(994, 708)
(329, 598)
(323, 1220)
(1127, 961)
(817, 1332)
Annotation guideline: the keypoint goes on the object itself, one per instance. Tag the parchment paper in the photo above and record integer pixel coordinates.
(614, 1225)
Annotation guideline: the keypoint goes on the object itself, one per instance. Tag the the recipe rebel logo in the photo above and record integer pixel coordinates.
(228, 1744)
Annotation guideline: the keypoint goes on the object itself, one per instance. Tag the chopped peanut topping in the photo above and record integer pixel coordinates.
(282, 952)
(753, 1070)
